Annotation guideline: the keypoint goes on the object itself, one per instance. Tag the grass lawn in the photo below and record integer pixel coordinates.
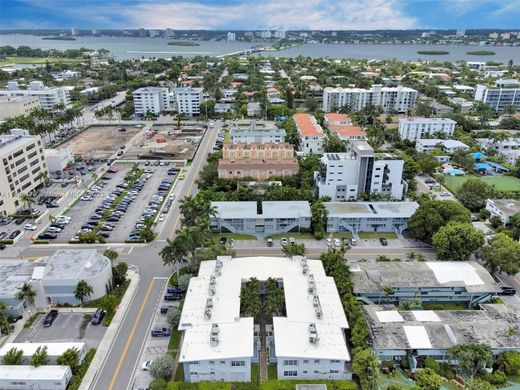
(445, 306)
(342, 235)
(255, 372)
(179, 374)
(376, 235)
(502, 183)
(291, 385)
(36, 60)
(175, 340)
(236, 236)
(272, 372)
(299, 236)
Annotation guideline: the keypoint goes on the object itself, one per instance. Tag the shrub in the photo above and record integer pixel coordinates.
(498, 378)
(158, 384)
(509, 362)
(404, 364)
(433, 364)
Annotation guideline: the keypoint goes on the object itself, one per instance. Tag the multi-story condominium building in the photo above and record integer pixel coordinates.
(499, 97)
(231, 37)
(22, 162)
(152, 100)
(503, 208)
(343, 176)
(414, 335)
(416, 128)
(65, 75)
(429, 282)
(341, 125)
(257, 160)
(256, 132)
(188, 100)
(261, 218)
(305, 342)
(279, 34)
(448, 146)
(14, 106)
(310, 134)
(398, 99)
(49, 96)
(355, 217)
(266, 34)
(58, 159)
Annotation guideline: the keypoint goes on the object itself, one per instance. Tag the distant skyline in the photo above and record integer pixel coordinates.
(261, 14)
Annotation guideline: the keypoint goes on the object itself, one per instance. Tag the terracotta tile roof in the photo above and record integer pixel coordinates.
(258, 164)
(337, 117)
(347, 130)
(307, 125)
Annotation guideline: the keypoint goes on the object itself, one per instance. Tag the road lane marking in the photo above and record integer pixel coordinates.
(131, 336)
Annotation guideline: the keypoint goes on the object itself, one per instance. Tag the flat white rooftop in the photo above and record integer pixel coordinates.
(53, 349)
(248, 210)
(236, 334)
(28, 373)
(371, 209)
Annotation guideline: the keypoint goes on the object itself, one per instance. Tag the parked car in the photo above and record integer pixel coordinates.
(337, 243)
(3, 235)
(507, 290)
(175, 290)
(98, 316)
(14, 234)
(292, 240)
(165, 308)
(146, 365)
(48, 236)
(172, 297)
(353, 242)
(161, 332)
(30, 227)
(269, 241)
(284, 241)
(49, 318)
(2, 247)
(222, 240)
(383, 241)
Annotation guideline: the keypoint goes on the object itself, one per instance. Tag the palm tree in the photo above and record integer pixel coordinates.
(44, 176)
(189, 206)
(28, 200)
(83, 290)
(5, 324)
(499, 136)
(26, 293)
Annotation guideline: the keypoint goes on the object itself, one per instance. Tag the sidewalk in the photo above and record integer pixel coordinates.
(110, 334)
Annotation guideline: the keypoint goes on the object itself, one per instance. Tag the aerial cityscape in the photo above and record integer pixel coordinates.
(271, 195)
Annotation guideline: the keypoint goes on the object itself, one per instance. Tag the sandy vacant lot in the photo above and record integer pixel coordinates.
(99, 142)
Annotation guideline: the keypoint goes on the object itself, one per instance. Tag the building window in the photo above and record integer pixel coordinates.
(194, 362)
(316, 360)
(290, 373)
(290, 362)
(238, 363)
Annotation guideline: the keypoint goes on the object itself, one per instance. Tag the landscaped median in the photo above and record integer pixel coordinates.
(265, 385)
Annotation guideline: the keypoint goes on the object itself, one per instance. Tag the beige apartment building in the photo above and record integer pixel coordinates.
(15, 106)
(22, 162)
(257, 160)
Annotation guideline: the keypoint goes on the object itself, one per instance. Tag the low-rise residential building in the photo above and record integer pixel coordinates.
(256, 132)
(355, 217)
(54, 278)
(49, 97)
(54, 350)
(439, 108)
(416, 128)
(58, 159)
(508, 148)
(344, 176)
(253, 109)
(273, 95)
(310, 134)
(415, 335)
(188, 100)
(43, 377)
(390, 99)
(231, 37)
(500, 96)
(306, 342)
(427, 282)
(448, 146)
(221, 108)
(262, 218)
(15, 106)
(152, 100)
(503, 208)
(22, 163)
(257, 160)
(65, 75)
(341, 125)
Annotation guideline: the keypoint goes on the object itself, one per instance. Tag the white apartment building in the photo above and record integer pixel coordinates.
(266, 34)
(54, 350)
(30, 377)
(448, 146)
(65, 75)
(307, 343)
(399, 98)
(231, 36)
(255, 134)
(188, 100)
(150, 99)
(508, 148)
(22, 162)
(279, 34)
(343, 176)
(49, 96)
(14, 106)
(499, 97)
(416, 128)
(503, 208)
(310, 134)
(57, 159)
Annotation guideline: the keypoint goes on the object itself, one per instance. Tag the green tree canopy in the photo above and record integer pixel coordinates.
(69, 358)
(474, 193)
(471, 358)
(162, 366)
(365, 366)
(502, 254)
(427, 379)
(40, 357)
(13, 357)
(509, 362)
(457, 241)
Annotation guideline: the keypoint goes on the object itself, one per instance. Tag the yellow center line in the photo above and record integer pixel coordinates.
(131, 336)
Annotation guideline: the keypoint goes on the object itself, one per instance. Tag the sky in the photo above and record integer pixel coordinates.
(261, 14)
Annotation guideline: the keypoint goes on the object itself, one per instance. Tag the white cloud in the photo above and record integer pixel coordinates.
(281, 14)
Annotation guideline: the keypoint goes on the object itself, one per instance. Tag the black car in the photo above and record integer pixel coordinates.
(52, 205)
(57, 225)
(98, 317)
(161, 332)
(104, 234)
(165, 308)
(19, 221)
(14, 234)
(48, 236)
(2, 247)
(506, 290)
(175, 290)
(222, 240)
(49, 318)
(383, 241)
(172, 297)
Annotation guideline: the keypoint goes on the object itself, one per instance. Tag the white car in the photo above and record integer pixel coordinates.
(146, 365)
(444, 193)
(30, 227)
(337, 243)
(53, 230)
(172, 197)
(162, 218)
(284, 241)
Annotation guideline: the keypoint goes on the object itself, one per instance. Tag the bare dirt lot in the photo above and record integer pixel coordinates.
(99, 142)
(166, 143)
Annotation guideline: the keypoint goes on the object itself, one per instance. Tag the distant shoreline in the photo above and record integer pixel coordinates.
(59, 38)
(183, 43)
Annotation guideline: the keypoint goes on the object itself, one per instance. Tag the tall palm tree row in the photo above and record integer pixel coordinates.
(26, 293)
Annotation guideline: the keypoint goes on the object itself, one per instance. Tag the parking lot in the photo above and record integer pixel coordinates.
(83, 211)
(67, 327)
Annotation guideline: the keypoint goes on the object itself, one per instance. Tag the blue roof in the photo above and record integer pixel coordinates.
(498, 166)
(483, 166)
(478, 155)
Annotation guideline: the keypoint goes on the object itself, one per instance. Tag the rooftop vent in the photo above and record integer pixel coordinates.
(317, 306)
(312, 285)
(214, 339)
(305, 268)
(212, 280)
(313, 334)
(218, 267)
